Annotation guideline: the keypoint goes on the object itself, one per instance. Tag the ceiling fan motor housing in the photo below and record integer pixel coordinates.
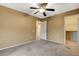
(42, 5)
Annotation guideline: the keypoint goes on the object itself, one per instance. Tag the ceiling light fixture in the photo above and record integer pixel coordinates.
(34, 4)
(41, 10)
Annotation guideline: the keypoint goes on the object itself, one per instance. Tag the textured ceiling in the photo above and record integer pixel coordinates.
(59, 8)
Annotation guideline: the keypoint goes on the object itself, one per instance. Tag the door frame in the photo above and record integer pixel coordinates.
(37, 30)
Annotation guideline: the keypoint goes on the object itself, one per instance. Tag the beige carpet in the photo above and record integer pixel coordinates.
(39, 48)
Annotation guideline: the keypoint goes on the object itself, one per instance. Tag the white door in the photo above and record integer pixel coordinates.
(41, 30)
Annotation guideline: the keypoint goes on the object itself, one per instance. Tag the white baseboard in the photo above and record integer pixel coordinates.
(16, 45)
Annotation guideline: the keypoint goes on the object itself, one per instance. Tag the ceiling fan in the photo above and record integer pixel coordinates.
(42, 8)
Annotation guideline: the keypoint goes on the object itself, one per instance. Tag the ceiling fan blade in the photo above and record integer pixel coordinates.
(36, 12)
(33, 8)
(44, 13)
(50, 9)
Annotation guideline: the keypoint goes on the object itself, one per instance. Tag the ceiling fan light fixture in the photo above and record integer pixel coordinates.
(42, 10)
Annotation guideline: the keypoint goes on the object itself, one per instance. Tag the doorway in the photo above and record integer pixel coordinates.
(41, 30)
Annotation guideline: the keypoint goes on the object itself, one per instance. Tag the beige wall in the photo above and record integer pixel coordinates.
(15, 27)
(71, 22)
(56, 26)
(56, 29)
